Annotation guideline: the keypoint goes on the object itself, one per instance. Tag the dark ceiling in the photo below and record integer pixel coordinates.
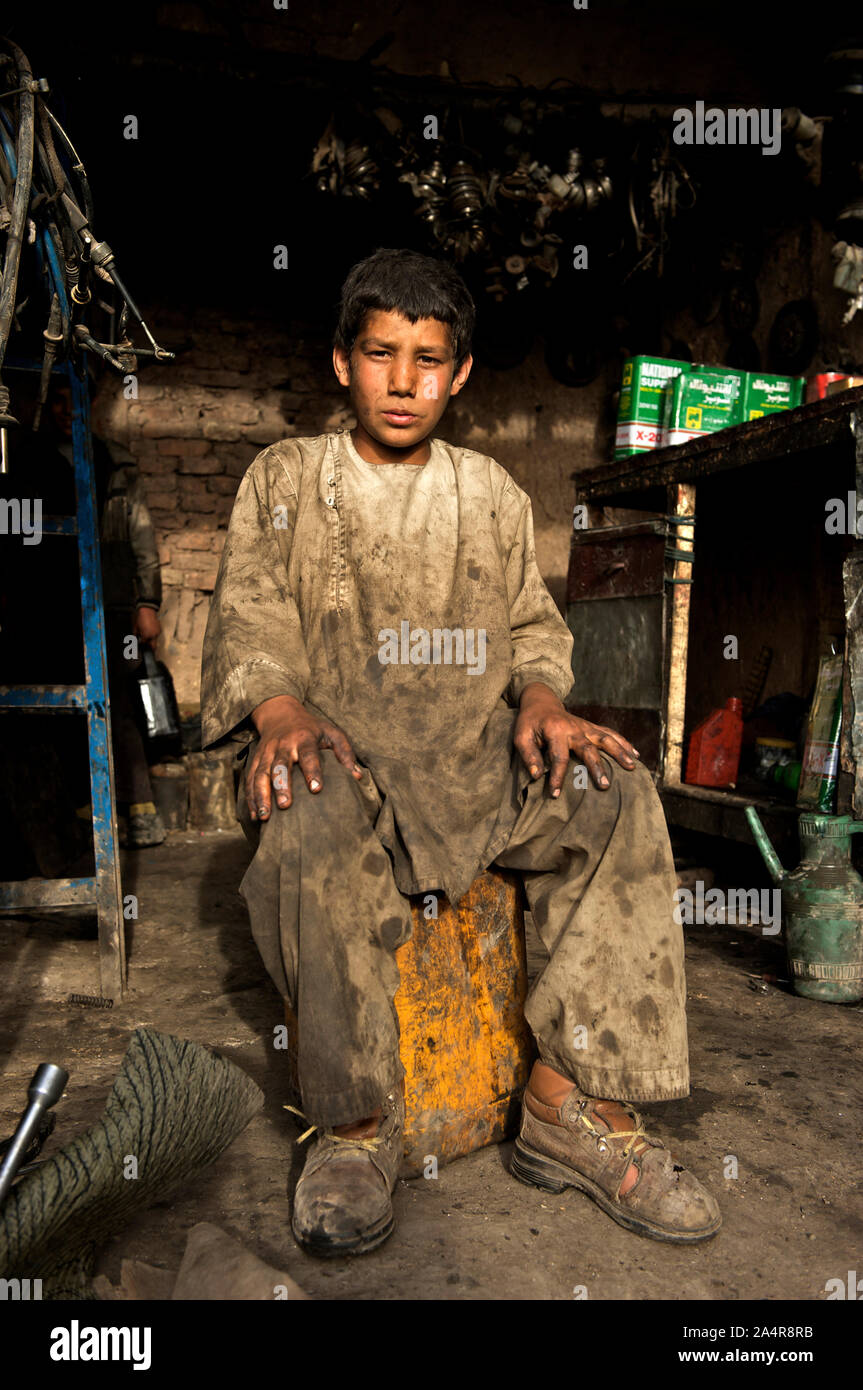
(231, 98)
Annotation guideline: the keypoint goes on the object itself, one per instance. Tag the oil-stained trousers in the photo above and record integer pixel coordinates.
(334, 577)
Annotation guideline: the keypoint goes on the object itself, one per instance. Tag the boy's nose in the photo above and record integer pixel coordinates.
(403, 380)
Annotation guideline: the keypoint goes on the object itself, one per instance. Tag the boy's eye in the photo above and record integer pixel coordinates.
(433, 361)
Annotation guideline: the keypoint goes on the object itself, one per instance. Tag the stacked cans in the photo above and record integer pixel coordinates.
(663, 401)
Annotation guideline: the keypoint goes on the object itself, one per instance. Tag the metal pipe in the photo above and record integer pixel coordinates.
(46, 1088)
(777, 872)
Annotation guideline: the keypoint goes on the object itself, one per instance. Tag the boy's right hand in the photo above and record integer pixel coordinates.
(290, 734)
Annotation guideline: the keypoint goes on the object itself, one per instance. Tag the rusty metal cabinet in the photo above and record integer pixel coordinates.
(619, 609)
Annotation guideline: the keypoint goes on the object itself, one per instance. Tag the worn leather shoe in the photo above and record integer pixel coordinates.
(591, 1144)
(343, 1202)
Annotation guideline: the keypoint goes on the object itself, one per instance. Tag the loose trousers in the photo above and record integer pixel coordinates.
(608, 1009)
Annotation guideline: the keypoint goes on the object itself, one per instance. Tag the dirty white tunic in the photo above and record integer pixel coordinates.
(332, 563)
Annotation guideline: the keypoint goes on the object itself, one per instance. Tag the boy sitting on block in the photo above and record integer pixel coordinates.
(380, 619)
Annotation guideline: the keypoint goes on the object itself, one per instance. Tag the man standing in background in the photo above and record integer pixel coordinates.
(132, 595)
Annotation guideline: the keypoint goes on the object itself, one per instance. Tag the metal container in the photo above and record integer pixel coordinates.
(170, 783)
(822, 907)
(158, 698)
(212, 798)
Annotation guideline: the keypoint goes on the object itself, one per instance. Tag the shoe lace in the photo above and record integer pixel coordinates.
(371, 1145)
(632, 1136)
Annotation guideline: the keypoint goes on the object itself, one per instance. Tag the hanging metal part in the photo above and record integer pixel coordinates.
(848, 276)
(465, 193)
(102, 259)
(520, 209)
(807, 134)
(6, 421)
(534, 190)
(466, 203)
(603, 178)
(429, 186)
(86, 339)
(77, 163)
(23, 175)
(53, 336)
(346, 168)
(659, 190)
(361, 173)
(45, 202)
(38, 84)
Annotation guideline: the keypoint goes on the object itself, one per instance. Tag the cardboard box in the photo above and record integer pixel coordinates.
(765, 395)
(639, 414)
(701, 400)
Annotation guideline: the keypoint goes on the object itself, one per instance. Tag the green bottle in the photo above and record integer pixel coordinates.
(817, 789)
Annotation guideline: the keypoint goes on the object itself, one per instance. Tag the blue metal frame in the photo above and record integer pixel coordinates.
(104, 890)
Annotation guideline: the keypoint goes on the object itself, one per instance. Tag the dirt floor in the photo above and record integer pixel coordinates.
(776, 1085)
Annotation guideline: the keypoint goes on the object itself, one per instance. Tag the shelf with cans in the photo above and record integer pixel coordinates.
(769, 557)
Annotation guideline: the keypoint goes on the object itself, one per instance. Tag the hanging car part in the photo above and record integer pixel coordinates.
(45, 192)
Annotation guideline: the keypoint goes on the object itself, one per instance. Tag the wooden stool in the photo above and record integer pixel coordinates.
(465, 1044)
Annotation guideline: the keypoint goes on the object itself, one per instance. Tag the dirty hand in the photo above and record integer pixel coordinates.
(290, 734)
(147, 626)
(544, 724)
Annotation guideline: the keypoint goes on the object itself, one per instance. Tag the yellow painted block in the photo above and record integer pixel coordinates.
(465, 1044)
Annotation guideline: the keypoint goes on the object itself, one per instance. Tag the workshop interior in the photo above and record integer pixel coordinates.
(658, 214)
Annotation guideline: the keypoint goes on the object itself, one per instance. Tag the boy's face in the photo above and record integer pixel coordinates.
(400, 375)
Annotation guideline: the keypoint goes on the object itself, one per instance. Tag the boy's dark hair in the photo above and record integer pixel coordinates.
(408, 283)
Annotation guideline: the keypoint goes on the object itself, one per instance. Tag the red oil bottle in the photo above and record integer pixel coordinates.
(714, 747)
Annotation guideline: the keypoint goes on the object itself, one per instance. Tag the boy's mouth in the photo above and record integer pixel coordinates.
(399, 417)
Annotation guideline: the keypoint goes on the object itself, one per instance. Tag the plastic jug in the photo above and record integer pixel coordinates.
(714, 747)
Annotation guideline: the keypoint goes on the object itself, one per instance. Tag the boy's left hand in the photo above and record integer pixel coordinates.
(544, 728)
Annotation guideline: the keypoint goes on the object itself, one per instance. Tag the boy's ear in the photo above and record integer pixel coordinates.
(461, 376)
(342, 366)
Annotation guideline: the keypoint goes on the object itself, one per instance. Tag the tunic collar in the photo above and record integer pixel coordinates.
(344, 441)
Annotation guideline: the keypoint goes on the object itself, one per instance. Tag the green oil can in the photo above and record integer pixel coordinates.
(822, 907)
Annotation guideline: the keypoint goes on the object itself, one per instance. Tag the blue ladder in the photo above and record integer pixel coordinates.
(103, 891)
